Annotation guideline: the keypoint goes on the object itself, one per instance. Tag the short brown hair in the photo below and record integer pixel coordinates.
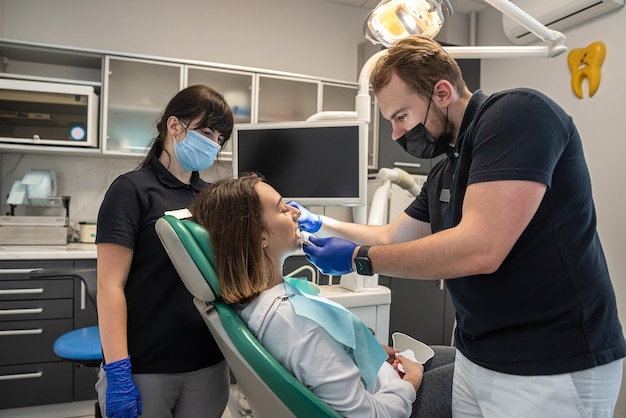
(230, 209)
(420, 62)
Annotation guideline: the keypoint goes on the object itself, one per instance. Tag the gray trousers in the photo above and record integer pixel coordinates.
(434, 397)
(202, 393)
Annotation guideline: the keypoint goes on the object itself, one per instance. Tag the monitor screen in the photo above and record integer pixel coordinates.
(313, 163)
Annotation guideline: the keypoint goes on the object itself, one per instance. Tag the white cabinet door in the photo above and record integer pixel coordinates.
(136, 93)
(283, 99)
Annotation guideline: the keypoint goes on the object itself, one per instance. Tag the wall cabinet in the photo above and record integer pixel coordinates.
(135, 94)
(285, 99)
(235, 86)
(33, 314)
(134, 90)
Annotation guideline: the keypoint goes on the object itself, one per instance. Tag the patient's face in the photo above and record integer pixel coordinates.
(280, 220)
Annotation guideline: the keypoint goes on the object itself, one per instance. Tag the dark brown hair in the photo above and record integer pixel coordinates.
(420, 62)
(191, 103)
(231, 210)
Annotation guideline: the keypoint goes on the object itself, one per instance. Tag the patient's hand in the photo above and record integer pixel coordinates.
(413, 371)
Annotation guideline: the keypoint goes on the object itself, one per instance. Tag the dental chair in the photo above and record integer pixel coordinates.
(271, 391)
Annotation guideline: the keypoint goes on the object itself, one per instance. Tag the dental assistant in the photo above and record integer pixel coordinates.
(160, 359)
(508, 220)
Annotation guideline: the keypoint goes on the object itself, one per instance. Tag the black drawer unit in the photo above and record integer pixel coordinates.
(30, 341)
(35, 384)
(33, 314)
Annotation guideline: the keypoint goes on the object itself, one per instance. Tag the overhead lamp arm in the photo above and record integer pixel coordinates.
(539, 29)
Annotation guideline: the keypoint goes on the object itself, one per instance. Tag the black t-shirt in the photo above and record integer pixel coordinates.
(550, 308)
(166, 334)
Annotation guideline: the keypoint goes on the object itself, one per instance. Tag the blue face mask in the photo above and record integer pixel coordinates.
(196, 152)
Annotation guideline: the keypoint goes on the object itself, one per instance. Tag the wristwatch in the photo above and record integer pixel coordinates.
(362, 262)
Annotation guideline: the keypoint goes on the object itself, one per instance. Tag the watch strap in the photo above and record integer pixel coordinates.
(363, 251)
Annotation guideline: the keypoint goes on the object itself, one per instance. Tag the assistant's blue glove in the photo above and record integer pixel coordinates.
(333, 256)
(307, 221)
(122, 396)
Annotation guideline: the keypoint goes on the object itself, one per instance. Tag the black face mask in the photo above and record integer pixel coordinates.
(419, 143)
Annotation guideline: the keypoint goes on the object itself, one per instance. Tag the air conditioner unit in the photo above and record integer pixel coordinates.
(556, 15)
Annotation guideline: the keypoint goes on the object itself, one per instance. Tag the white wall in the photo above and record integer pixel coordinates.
(599, 120)
(318, 38)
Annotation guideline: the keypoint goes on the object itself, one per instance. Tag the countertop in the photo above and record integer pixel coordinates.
(73, 251)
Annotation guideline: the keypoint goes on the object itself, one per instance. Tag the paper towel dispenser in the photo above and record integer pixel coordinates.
(42, 113)
(36, 185)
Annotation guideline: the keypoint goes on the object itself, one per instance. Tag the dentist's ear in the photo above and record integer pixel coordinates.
(443, 94)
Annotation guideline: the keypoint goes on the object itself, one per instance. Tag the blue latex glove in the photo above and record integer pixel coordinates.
(122, 396)
(333, 256)
(309, 222)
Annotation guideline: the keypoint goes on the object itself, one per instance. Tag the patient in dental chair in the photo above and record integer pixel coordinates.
(322, 344)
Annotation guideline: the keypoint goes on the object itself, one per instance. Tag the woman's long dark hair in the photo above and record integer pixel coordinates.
(189, 104)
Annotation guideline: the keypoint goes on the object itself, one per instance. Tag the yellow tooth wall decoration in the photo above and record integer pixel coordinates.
(586, 63)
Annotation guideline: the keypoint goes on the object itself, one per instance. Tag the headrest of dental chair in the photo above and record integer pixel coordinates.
(188, 245)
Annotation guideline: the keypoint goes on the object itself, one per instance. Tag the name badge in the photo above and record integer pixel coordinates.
(444, 196)
(179, 213)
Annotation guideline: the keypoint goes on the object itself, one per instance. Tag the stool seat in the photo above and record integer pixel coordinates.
(80, 346)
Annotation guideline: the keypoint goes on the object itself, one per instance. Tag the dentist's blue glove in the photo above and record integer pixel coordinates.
(333, 256)
(309, 222)
(122, 396)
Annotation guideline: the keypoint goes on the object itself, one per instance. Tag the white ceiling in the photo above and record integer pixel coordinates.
(459, 6)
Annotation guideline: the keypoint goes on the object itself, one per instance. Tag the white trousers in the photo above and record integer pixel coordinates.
(480, 392)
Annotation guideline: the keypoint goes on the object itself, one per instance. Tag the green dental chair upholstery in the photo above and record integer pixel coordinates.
(269, 388)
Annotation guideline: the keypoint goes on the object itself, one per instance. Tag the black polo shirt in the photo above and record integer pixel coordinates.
(550, 308)
(166, 334)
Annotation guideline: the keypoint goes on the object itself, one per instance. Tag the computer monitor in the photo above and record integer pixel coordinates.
(313, 163)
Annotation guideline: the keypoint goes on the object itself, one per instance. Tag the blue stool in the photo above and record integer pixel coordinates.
(81, 346)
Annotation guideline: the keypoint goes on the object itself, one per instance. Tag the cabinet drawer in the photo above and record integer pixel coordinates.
(35, 384)
(36, 289)
(30, 341)
(10, 269)
(26, 310)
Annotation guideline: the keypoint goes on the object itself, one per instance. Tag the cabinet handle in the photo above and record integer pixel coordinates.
(21, 376)
(15, 271)
(440, 284)
(21, 291)
(20, 311)
(83, 296)
(14, 332)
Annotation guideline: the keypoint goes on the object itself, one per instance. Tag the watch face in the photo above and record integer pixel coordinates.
(363, 266)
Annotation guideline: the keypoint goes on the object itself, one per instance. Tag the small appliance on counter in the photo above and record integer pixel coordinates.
(36, 192)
